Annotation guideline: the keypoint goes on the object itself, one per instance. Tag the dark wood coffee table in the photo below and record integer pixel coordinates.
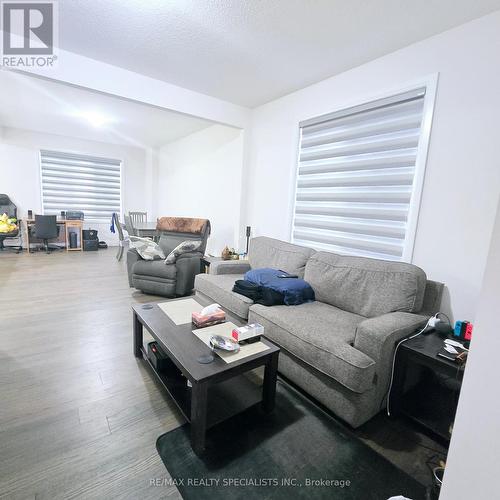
(219, 389)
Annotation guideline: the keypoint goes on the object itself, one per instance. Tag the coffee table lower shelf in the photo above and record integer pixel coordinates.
(225, 399)
(219, 390)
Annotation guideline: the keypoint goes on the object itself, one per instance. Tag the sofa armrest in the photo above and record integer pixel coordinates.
(376, 337)
(188, 266)
(230, 267)
(132, 258)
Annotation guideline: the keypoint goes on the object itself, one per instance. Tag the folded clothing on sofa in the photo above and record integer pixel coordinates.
(294, 290)
(259, 294)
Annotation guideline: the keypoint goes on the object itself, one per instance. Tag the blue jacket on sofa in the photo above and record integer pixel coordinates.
(295, 290)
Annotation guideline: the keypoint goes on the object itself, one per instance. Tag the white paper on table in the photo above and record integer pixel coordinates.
(179, 311)
(225, 329)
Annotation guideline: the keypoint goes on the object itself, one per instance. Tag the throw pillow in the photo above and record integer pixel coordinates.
(146, 248)
(184, 247)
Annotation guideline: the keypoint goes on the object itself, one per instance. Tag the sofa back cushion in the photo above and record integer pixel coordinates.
(169, 241)
(276, 254)
(368, 287)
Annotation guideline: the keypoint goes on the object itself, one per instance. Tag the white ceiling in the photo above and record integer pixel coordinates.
(252, 51)
(44, 106)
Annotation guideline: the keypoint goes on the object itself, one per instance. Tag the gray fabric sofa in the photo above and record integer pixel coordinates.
(339, 348)
(168, 280)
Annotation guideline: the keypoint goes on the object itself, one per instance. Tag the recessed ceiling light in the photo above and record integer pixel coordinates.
(96, 118)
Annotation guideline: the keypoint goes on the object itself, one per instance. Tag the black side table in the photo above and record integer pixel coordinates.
(426, 386)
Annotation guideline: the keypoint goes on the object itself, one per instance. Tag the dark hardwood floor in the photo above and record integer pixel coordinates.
(79, 415)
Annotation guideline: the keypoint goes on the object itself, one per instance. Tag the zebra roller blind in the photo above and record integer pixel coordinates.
(356, 177)
(80, 182)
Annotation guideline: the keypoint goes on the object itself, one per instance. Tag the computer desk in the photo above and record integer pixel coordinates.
(67, 227)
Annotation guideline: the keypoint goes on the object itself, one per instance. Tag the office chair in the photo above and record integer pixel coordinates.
(138, 217)
(9, 208)
(46, 229)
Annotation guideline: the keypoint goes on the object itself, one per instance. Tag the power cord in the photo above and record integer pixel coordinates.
(431, 322)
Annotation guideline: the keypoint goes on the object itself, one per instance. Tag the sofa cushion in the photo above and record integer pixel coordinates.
(364, 286)
(219, 288)
(268, 252)
(146, 248)
(321, 336)
(181, 249)
(169, 241)
(155, 269)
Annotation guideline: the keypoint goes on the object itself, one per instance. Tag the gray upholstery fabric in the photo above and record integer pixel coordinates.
(132, 258)
(155, 268)
(368, 287)
(178, 278)
(432, 297)
(350, 406)
(319, 335)
(375, 336)
(230, 267)
(169, 240)
(168, 280)
(188, 266)
(219, 289)
(154, 286)
(268, 252)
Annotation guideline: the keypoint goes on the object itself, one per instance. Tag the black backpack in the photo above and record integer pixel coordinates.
(259, 294)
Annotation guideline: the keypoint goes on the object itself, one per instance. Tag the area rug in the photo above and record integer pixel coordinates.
(298, 451)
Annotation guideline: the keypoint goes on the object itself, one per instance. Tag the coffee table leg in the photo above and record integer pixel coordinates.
(198, 416)
(269, 386)
(137, 336)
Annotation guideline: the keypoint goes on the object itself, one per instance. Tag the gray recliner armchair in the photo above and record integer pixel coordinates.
(170, 280)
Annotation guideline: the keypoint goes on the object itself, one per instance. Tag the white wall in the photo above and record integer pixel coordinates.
(462, 181)
(151, 182)
(20, 171)
(473, 460)
(200, 176)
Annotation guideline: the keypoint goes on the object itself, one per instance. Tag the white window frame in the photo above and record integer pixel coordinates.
(430, 83)
(79, 153)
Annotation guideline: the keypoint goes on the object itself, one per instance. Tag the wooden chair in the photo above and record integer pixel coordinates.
(129, 226)
(121, 243)
(137, 217)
